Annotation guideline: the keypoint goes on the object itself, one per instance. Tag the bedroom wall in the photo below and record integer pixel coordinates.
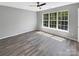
(73, 21)
(15, 21)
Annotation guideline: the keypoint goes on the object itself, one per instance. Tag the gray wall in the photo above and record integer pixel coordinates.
(73, 21)
(15, 21)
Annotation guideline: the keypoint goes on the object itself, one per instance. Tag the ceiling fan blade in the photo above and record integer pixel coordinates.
(42, 4)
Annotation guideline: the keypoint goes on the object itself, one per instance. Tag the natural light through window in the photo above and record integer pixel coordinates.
(51, 36)
(56, 20)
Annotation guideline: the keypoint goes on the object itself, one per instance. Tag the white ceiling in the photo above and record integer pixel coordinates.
(28, 5)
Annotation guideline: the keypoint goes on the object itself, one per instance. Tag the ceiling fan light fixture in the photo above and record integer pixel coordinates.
(39, 5)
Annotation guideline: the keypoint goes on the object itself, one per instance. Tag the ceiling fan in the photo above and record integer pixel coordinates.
(38, 5)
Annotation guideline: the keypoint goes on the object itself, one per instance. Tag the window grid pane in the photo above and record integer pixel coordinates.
(52, 24)
(45, 23)
(63, 27)
(53, 16)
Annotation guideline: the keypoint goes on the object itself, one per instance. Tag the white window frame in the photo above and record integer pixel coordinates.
(43, 20)
(57, 21)
(52, 20)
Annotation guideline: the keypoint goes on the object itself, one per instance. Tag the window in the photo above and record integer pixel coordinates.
(53, 20)
(45, 20)
(63, 20)
(57, 20)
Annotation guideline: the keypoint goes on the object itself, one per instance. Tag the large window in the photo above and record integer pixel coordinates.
(57, 20)
(45, 20)
(53, 19)
(63, 20)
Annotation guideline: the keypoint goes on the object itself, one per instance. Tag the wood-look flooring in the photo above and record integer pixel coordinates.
(38, 43)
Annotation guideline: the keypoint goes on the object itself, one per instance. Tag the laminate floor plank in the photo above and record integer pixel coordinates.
(38, 43)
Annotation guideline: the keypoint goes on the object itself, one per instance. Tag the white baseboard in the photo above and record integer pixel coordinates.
(15, 34)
